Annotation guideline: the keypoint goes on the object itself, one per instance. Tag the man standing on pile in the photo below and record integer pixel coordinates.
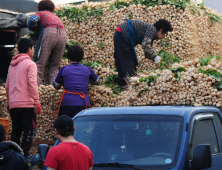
(127, 36)
(52, 39)
(22, 95)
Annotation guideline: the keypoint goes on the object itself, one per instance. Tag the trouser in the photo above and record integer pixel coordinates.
(124, 58)
(23, 119)
(70, 111)
(52, 49)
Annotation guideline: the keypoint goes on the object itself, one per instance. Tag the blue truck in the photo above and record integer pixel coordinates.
(150, 137)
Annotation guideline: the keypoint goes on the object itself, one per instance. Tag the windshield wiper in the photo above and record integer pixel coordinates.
(116, 164)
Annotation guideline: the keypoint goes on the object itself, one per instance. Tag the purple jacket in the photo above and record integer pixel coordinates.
(75, 78)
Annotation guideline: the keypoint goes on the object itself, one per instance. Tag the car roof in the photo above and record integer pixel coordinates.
(185, 111)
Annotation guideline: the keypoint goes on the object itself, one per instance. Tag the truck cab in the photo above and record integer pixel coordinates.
(152, 137)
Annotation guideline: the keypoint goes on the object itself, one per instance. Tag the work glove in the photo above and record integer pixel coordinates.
(8, 110)
(157, 60)
(37, 109)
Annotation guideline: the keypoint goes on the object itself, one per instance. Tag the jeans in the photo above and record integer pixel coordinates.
(23, 119)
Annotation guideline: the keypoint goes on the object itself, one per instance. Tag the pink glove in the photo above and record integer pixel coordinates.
(37, 109)
(8, 110)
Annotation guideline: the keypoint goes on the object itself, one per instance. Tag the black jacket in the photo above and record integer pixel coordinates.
(11, 157)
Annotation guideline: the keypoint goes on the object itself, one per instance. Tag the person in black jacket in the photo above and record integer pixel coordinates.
(11, 155)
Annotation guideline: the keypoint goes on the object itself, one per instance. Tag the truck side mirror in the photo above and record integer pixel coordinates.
(202, 158)
(42, 150)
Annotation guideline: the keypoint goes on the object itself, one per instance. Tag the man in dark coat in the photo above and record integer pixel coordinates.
(11, 155)
(127, 36)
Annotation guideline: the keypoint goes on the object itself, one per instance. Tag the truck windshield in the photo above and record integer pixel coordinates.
(145, 141)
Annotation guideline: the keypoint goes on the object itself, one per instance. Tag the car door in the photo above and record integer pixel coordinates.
(206, 129)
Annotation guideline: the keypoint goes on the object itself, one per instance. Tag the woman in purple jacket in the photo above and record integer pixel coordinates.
(75, 79)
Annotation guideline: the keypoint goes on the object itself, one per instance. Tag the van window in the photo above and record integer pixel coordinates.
(204, 133)
(146, 141)
(219, 125)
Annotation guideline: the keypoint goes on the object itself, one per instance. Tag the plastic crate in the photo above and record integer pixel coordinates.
(5, 123)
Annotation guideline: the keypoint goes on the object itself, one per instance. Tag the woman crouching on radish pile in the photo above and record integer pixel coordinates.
(75, 79)
(51, 42)
(127, 36)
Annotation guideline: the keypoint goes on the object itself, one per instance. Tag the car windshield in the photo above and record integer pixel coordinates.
(145, 141)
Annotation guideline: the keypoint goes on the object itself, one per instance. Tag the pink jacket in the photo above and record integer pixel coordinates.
(21, 84)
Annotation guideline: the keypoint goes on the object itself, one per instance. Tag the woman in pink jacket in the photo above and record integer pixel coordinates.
(22, 95)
